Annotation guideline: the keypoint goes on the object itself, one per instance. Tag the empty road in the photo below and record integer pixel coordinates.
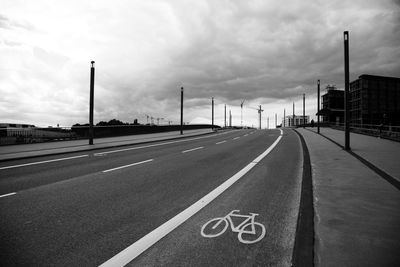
(148, 205)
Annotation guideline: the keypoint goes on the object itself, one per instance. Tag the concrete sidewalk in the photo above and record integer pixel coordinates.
(383, 153)
(357, 218)
(51, 148)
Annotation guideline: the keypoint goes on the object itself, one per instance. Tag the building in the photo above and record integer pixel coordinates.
(298, 120)
(375, 100)
(332, 106)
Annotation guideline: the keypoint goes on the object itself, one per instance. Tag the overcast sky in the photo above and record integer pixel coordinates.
(266, 52)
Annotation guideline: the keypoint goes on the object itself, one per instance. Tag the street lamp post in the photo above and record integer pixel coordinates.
(304, 110)
(181, 110)
(294, 121)
(91, 104)
(225, 117)
(346, 91)
(318, 105)
(212, 113)
(284, 118)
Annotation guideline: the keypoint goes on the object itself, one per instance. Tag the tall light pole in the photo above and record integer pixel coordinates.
(318, 105)
(284, 117)
(91, 104)
(230, 118)
(259, 112)
(304, 110)
(225, 117)
(212, 113)
(181, 110)
(346, 91)
(294, 121)
(276, 118)
(241, 113)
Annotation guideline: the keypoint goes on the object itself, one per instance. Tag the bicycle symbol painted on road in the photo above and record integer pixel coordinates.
(249, 231)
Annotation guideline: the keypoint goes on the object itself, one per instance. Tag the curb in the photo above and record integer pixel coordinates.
(303, 250)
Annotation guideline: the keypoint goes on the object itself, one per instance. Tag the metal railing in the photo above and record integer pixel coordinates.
(384, 131)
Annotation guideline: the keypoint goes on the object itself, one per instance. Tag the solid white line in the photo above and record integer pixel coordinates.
(236, 138)
(220, 142)
(193, 149)
(9, 194)
(129, 165)
(41, 162)
(134, 250)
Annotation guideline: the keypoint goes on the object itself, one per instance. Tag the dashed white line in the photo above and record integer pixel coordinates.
(221, 142)
(193, 149)
(236, 138)
(41, 162)
(137, 248)
(245, 135)
(9, 194)
(158, 144)
(129, 165)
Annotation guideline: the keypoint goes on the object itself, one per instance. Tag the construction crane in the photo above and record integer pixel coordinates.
(147, 118)
(259, 113)
(158, 120)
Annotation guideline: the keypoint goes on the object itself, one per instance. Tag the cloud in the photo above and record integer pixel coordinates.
(263, 51)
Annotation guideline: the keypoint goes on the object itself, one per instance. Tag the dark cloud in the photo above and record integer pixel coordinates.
(262, 51)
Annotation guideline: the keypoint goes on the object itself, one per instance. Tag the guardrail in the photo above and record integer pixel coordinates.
(383, 131)
(13, 135)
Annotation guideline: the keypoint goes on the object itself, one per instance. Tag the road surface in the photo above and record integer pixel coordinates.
(84, 209)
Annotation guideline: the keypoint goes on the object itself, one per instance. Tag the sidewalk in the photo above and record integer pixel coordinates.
(51, 148)
(357, 218)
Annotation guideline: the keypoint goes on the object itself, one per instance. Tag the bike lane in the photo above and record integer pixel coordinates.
(271, 190)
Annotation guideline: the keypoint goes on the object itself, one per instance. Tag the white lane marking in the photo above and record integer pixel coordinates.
(158, 144)
(236, 138)
(41, 162)
(129, 165)
(9, 194)
(241, 228)
(134, 250)
(245, 135)
(221, 142)
(193, 149)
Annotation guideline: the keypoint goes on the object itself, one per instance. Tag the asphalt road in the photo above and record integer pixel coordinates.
(83, 209)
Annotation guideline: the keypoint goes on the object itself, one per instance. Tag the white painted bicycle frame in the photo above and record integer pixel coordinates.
(237, 228)
(249, 221)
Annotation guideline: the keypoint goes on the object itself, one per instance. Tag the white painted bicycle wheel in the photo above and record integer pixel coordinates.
(214, 227)
(259, 233)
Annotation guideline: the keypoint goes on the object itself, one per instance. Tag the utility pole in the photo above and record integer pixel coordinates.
(304, 110)
(230, 118)
(346, 91)
(181, 110)
(91, 104)
(276, 118)
(318, 105)
(267, 122)
(212, 113)
(225, 117)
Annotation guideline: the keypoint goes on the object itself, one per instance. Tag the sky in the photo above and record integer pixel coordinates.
(265, 52)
